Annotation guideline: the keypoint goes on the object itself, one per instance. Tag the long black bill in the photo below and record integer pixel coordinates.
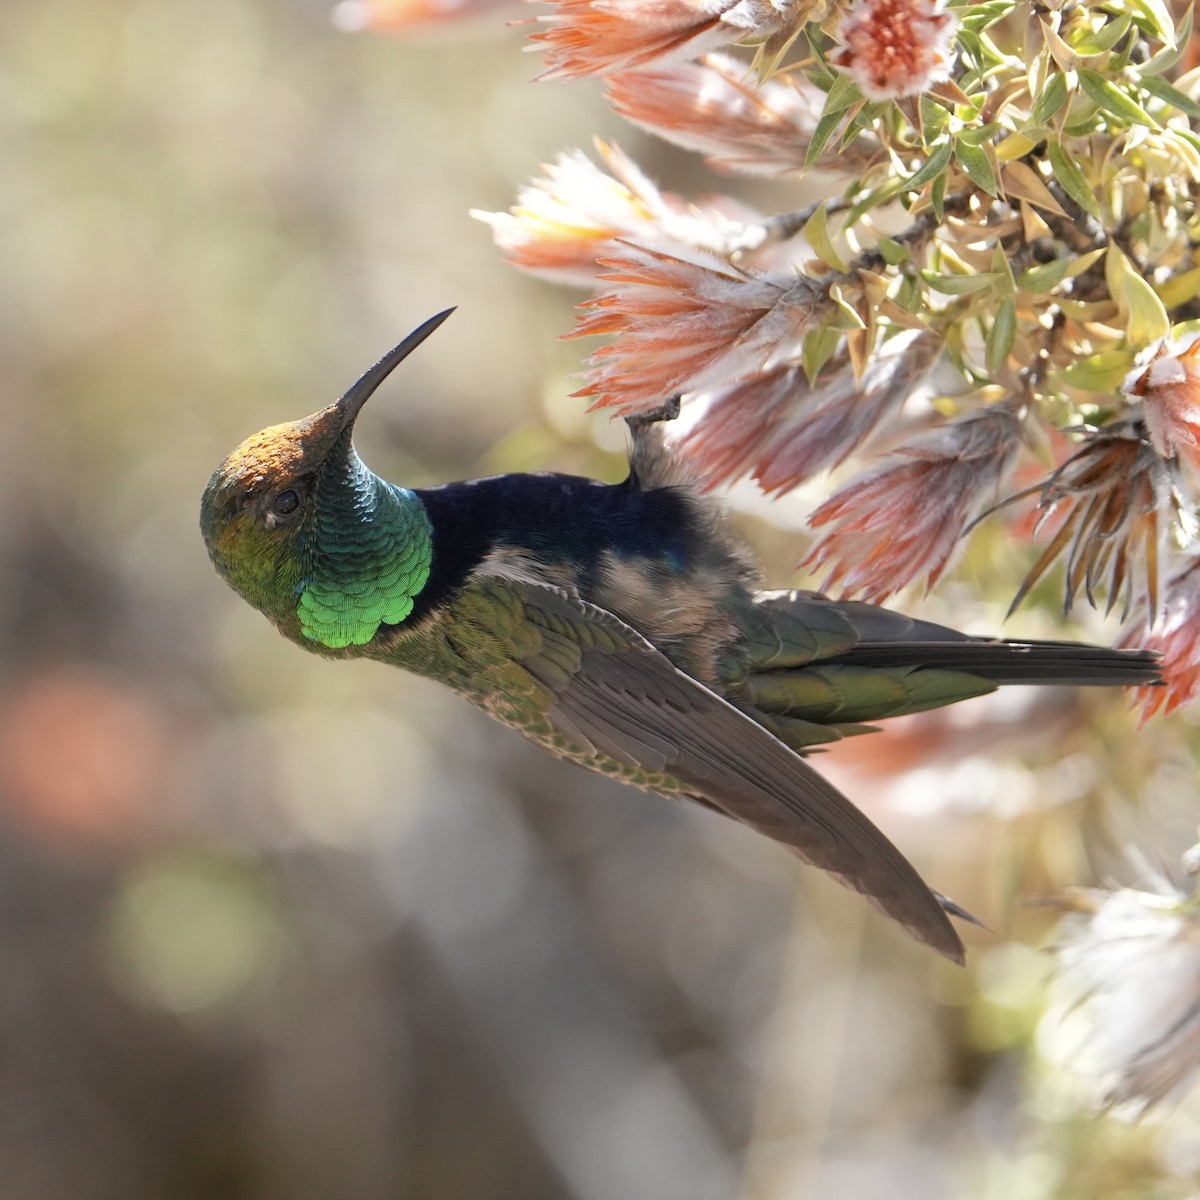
(351, 403)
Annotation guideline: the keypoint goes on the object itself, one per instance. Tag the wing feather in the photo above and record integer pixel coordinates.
(628, 701)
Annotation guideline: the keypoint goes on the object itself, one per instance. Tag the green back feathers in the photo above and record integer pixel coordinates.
(370, 548)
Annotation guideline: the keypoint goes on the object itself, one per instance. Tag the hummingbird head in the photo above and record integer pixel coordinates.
(284, 518)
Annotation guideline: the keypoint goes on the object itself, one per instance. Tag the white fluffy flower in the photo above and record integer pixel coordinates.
(1129, 980)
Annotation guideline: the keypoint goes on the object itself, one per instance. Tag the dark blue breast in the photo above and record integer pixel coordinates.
(560, 519)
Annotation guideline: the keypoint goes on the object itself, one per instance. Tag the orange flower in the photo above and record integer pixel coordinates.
(575, 212)
(1177, 637)
(1113, 490)
(686, 320)
(902, 520)
(780, 429)
(896, 48)
(1169, 389)
(596, 37)
(716, 107)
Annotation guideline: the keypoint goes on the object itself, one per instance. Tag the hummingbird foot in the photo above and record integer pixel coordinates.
(667, 411)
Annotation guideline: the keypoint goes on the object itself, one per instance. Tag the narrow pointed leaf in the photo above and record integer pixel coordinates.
(1102, 372)
(1001, 335)
(1179, 289)
(960, 285)
(1169, 55)
(893, 252)
(1045, 277)
(1159, 87)
(1105, 38)
(1053, 97)
(1067, 172)
(816, 233)
(975, 162)
(826, 127)
(1022, 181)
(1147, 319)
(935, 164)
(1114, 101)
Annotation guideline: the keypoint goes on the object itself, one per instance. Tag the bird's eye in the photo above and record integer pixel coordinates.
(285, 503)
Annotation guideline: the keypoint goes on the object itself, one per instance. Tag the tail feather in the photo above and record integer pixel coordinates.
(864, 635)
(1069, 664)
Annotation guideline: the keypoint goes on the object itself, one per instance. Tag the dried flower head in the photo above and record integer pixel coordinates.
(894, 48)
(1129, 971)
(1114, 491)
(719, 109)
(1169, 389)
(1176, 635)
(597, 37)
(685, 320)
(574, 213)
(780, 429)
(902, 520)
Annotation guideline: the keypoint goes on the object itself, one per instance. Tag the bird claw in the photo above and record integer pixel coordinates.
(667, 411)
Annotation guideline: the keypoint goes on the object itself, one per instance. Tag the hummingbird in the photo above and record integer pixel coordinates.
(620, 626)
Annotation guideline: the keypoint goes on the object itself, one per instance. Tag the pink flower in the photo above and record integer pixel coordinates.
(1114, 491)
(597, 37)
(1177, 637)
(1169, 389)
(895, 48)
(716, 107)
(780, 429)
(902, 520)
(575, 212)
(686, 320)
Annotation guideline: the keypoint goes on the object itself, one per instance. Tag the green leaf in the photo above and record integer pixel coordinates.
(935, 164)
(1180, 289)
(909, 295)
(1114, 101)
(1159, 87)
(892, 252)
(1001, 336)
(978, 134)
(1146, 320)
(1104, 372)
(937, 197)
(1002, 269)
(846, 316)
(1143, 312)
(819, 347)
(816, 233)
(978, 17)
(1045, 277)
(872, 199)
(971, 44)
(934, 118)
(1053, 97)
(1169, 55)
(1084, 261)
(1067, 172)
(1105, 38)
(825, 128)
(975, 162)
(961, 285)
(844, 94)
(1155, 19)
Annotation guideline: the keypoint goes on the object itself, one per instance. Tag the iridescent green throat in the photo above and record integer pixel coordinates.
(369, 557)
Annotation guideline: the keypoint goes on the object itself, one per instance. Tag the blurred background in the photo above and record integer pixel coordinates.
(272, 927)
